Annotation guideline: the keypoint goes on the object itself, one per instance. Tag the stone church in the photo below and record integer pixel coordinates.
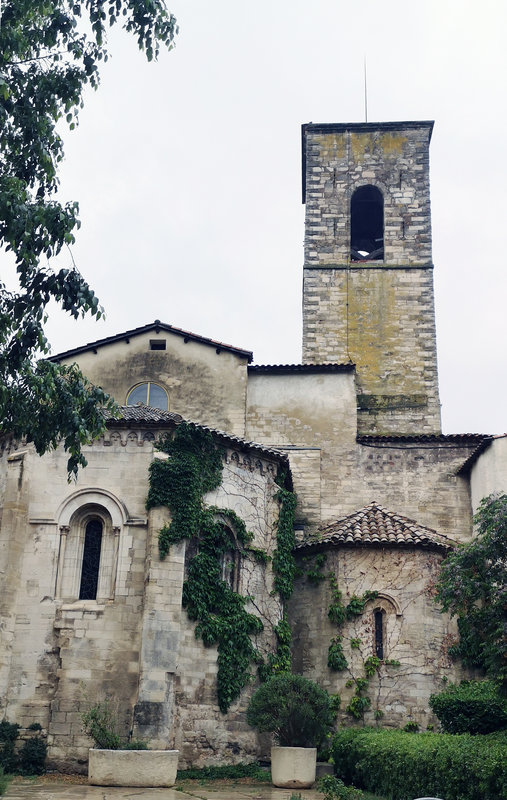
(354, 429)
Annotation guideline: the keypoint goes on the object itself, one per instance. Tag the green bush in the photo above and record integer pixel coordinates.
(296, 710)
(227, 771)
(101, 723)
(334, 789)
(9, 732)
(4, 781)
(30, 759)
(32, 756)
(401, 766)
(470, 707)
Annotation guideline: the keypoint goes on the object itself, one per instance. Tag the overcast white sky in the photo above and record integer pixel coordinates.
(188, 173)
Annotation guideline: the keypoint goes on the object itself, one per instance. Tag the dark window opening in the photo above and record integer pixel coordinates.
(157, 344)
(367, 224)
(379, 633)
(91, 560)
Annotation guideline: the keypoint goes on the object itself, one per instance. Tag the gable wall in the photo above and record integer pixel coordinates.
(203, 386)
(489, 473)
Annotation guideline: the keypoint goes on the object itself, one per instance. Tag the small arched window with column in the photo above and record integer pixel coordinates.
(90, 527)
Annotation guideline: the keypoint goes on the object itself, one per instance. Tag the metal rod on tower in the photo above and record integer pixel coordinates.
(365, 94)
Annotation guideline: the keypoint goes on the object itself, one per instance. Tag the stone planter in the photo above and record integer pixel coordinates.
(132, 767)
(293, 767)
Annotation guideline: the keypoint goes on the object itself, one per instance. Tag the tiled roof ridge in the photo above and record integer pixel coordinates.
(363, 527)
(327, 366)
(423, 437)
(157, 325)
(156, 416)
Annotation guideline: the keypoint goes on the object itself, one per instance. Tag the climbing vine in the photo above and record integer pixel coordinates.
(339, 613)
(284, 568)
(283, 560)
(192, 469)
(281, 660)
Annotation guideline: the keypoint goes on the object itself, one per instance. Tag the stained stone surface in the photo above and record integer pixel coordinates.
(213, 791)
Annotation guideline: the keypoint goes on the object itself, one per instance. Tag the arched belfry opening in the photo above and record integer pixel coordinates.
(367, 224)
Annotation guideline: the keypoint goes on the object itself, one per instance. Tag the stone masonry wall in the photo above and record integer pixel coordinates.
(377, 314)
(416, 634)
(391, 156)
(383, 321)
(134, 645)
(312, 418)
(203, 735)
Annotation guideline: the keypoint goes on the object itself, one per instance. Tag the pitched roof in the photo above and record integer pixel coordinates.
(472, 458)
(374, 525)
(288, 369)
(156, 326)
(146, 415)
(463, 439)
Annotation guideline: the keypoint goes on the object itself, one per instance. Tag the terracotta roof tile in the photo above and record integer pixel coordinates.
(141, 413)
(284, 369)
(156, 326)
(374, 525)
(430, 438)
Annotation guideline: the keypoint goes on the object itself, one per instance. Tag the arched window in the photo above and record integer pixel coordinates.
(379, 628)
(367, 224)
(88, 557)
(91, 560)
(149, 393)
(230, 564)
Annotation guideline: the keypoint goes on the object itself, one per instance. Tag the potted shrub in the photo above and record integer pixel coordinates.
(117, 761)
(297, 712)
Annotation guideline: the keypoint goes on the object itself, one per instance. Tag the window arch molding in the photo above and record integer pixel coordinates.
(382, 621)
(86, 517)
(93, 496)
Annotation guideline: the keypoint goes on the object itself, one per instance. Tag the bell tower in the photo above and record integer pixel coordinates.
(368, 271)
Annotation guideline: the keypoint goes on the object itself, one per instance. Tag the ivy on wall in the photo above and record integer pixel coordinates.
(283, 560)
(194, 468)
(339, 613)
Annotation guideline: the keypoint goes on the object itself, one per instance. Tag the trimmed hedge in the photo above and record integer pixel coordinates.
(470, 707)
(401, 766)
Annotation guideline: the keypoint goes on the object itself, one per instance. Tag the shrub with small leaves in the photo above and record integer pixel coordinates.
(4, 781)
(396, 765)
(32, 756)
(470, 707)
(100, 722)
(294, 709)
(334, 789)
(9, 732)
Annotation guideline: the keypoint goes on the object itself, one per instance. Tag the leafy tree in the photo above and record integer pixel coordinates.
(49, 51)
(473, 587)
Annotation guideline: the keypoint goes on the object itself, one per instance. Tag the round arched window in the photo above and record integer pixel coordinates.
(151, 394)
